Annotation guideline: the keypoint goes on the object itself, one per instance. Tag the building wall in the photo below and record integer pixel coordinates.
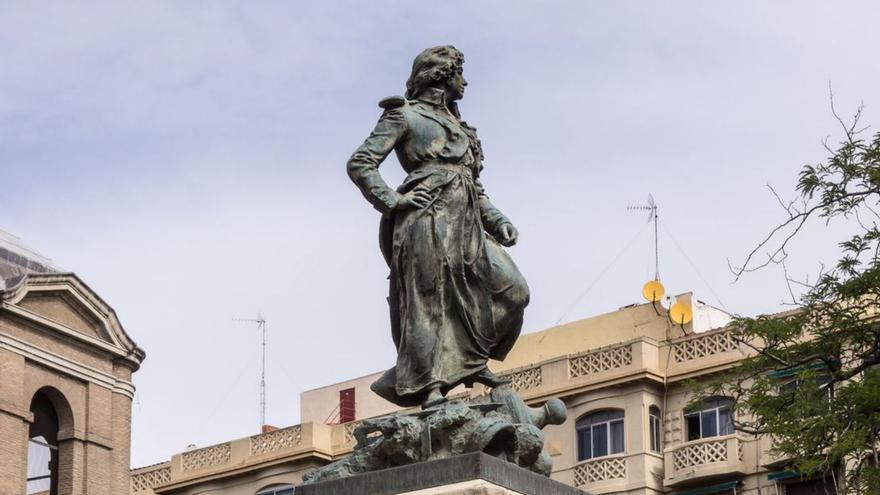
(321, 405)
(13, 423)
(629, 360)
(252, 481)
(85, 373)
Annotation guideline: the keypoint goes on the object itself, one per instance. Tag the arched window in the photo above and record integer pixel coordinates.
(654, 428)
(711, 418)
(283, 489)
(42, 456)
(600, 434)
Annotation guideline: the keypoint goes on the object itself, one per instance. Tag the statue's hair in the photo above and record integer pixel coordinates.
(432, 66)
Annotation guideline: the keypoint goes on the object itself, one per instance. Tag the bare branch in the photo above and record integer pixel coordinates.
(859, 221)
(763, 351)
(849, 131)
(834, 111)
(788, 282)
(871, 210)
(798, 220)
(788, 207)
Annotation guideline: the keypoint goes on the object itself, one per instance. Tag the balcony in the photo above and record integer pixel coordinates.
(602, 475)
(704, 459)
(615, 473)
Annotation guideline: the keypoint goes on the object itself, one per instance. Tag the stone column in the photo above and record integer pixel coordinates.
(71, 466)
(13, 450)
(121, 455)
(99, 441)
(15, 418)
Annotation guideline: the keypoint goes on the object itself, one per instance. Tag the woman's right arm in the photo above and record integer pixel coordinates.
(363, 166)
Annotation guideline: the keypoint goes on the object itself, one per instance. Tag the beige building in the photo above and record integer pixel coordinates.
(65, 382)
(629, 430)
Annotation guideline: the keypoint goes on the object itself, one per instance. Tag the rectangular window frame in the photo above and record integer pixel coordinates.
(654, 433)
(586, 442)
(710, 414)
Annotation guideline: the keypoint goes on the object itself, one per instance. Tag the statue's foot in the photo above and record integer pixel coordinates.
(490, 379)
(434, 398)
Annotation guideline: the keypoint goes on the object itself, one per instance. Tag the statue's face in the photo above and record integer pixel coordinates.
(455, 85)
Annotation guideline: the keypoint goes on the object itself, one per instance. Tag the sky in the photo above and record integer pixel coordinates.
(187, 160)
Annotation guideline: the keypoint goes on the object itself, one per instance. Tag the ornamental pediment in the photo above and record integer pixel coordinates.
(61, 302)
(64, 309)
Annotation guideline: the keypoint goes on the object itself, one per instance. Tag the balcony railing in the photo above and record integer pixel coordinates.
(698, 454)
(704, 459)
(600, 361)
(150, 477)
(215, 455)
(348, 432)
(523, 379)
(273, 441)
(599, 470)
(703, 345)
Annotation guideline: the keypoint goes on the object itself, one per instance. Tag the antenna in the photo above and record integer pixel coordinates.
(651, 207)
(678, 312)
(261, 326)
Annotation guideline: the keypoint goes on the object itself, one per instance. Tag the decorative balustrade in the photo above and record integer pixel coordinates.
(704, 345)
(148, 480)
(348, 432)
(599, 361)
(526, 379)
(214, 455)
(276, 440)
(689, 456)
(600, 470)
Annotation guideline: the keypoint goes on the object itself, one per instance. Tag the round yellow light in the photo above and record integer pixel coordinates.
(681, 313)
(653, 291)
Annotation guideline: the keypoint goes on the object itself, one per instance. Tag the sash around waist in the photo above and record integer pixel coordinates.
(433, 175)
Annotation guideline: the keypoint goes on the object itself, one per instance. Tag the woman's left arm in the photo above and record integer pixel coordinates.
(494, 222)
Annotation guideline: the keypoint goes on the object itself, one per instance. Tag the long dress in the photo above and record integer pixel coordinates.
(456, 298)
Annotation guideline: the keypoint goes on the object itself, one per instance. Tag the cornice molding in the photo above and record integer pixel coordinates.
(60, 363)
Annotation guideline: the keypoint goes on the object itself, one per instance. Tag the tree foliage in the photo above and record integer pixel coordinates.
(813, 379)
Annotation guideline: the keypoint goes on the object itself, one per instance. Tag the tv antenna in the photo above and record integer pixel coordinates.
(678, 312)
(651, 208)
(261, 326)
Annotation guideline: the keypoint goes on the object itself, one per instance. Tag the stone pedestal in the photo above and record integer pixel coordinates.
(468, 474)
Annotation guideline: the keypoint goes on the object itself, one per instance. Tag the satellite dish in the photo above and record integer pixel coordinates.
(653, 291)
(681, 313)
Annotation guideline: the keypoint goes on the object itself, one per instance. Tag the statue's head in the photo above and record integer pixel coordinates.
(437, 67)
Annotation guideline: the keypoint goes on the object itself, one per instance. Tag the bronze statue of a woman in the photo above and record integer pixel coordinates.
(456, 297)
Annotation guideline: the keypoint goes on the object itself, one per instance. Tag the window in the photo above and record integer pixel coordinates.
(42, 463)
(277, 490)
(600, 434)
(654, 428)
(715, 418)
(823, 382)
(42, 455)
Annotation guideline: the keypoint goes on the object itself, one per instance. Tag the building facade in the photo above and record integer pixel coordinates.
(629, 429)
(66, 389)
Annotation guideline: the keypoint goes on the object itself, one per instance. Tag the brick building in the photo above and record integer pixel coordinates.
(66, 368)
